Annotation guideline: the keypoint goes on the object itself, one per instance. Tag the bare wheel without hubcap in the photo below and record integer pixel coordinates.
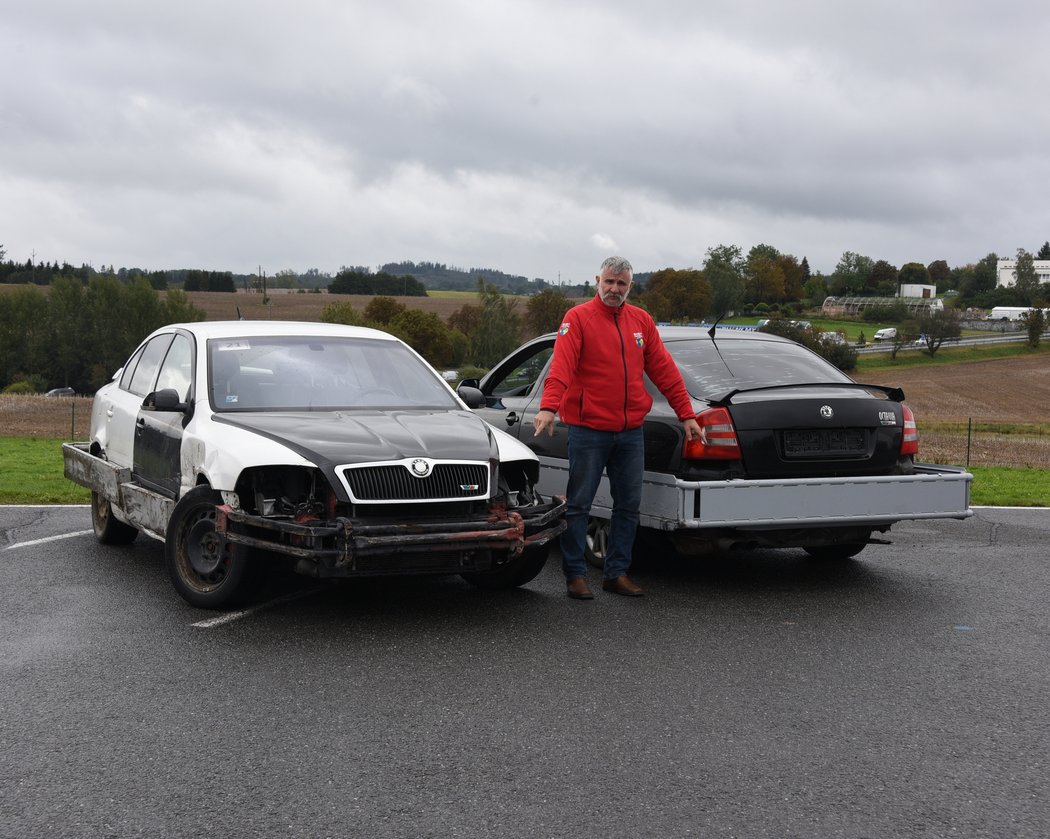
(206, 570)
(109, 530)
(596, 545)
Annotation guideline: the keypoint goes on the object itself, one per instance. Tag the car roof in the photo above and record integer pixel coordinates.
(209, 329)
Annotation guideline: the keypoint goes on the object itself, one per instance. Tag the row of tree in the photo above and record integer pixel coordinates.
(734, 279)
(78, 335)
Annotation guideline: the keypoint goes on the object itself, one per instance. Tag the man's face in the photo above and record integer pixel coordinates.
(613, 288)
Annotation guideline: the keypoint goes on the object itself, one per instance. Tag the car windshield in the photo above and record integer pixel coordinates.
(320, 373)
(748, 364)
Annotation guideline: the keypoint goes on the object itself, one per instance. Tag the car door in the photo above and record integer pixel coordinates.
(158, 428)
(512, 385)
(121, 404)
(513, 393)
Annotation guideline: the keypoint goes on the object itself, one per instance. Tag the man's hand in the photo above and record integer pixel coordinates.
(544, 421)
(692, 429)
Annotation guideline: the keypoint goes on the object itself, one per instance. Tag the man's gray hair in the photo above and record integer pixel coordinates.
(617, 265)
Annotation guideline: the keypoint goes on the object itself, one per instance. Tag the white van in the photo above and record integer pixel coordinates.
(887, 334)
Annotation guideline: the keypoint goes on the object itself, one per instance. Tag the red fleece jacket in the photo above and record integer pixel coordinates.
(596, 379)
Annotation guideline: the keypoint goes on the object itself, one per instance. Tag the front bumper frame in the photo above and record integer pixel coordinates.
(344, 547)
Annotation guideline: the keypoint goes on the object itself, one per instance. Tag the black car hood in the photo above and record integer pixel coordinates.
(338, 438)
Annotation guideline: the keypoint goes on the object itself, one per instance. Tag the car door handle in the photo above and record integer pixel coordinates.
(511, 418)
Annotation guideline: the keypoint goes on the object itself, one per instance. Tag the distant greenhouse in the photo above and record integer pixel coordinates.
(838, 306)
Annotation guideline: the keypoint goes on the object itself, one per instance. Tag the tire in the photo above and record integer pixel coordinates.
(514, 573)
(596, 545)
(830, 553)
(206, 570)
(109, 530)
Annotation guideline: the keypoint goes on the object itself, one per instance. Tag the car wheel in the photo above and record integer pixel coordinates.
(833, 552)
(516, 572)
(109, 530)
(207, 571)
(596, 545)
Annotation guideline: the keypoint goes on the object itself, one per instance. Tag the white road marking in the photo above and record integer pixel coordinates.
(47, 539)
(230, 617)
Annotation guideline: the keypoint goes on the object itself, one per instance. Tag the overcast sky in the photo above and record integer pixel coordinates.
(535, 137)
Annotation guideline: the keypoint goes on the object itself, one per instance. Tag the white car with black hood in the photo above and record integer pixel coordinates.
(336, 448)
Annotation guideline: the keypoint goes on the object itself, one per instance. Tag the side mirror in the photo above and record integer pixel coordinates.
(472, 396)
(166, 399)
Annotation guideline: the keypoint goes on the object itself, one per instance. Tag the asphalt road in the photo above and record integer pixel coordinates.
(756, 695)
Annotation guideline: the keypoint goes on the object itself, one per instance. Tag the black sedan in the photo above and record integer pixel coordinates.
(794, 453)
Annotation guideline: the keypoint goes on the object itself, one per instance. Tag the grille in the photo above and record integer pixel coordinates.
(829, 442)
(396, 483)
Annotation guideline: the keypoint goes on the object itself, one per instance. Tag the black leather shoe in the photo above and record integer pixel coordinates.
(622, 585)
(578, 589)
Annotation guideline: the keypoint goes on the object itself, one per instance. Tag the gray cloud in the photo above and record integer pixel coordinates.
(530, 136)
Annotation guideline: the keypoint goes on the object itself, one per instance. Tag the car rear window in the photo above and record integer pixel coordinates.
(742, 364)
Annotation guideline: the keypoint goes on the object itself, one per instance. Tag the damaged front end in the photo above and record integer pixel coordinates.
(293, 511)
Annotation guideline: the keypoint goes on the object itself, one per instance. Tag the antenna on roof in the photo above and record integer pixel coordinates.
(714, 343)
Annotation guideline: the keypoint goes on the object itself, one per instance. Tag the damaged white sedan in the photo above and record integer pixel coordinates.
(238, 443)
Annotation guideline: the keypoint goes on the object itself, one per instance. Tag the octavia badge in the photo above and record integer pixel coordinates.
(420, 467)
(826, 412)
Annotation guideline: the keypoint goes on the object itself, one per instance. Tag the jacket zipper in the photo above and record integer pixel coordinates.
(623, 361)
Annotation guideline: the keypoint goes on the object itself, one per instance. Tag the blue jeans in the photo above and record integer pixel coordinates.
(621, 454)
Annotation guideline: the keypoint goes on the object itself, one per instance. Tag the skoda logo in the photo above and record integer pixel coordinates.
(826, 412)
(420, 467)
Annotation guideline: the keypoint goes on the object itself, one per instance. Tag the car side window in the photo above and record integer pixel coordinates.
(129, 370)
(149, 362)
(175, 371)
(521, 379)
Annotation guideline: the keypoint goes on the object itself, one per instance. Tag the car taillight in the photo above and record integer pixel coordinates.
(717, 437)
(910, 437)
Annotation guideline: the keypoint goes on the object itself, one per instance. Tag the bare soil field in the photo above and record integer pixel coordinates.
(286, 305)
(997, 395)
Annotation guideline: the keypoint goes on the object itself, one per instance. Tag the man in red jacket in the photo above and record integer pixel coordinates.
(595, 385)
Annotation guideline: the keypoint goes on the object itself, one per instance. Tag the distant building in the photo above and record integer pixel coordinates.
(837, 306)
(1008, 271)
(917, 290)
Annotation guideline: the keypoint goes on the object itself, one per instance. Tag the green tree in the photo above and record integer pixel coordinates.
(940, 274)
(723, 270)
(427, 334)
(851, 274)
(23, 336)
(794, 276)
(1034, 321)
(65, 332)
(936, 326)
(499, 327)
(384, 310)
(914, 273)
(815, 290)
(545, 311)
(1027, 282)
(466, 319)
(883, 279)
(341, 313)
(1044, 252)
(677, 295)
(983, 278)
(763, 275)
